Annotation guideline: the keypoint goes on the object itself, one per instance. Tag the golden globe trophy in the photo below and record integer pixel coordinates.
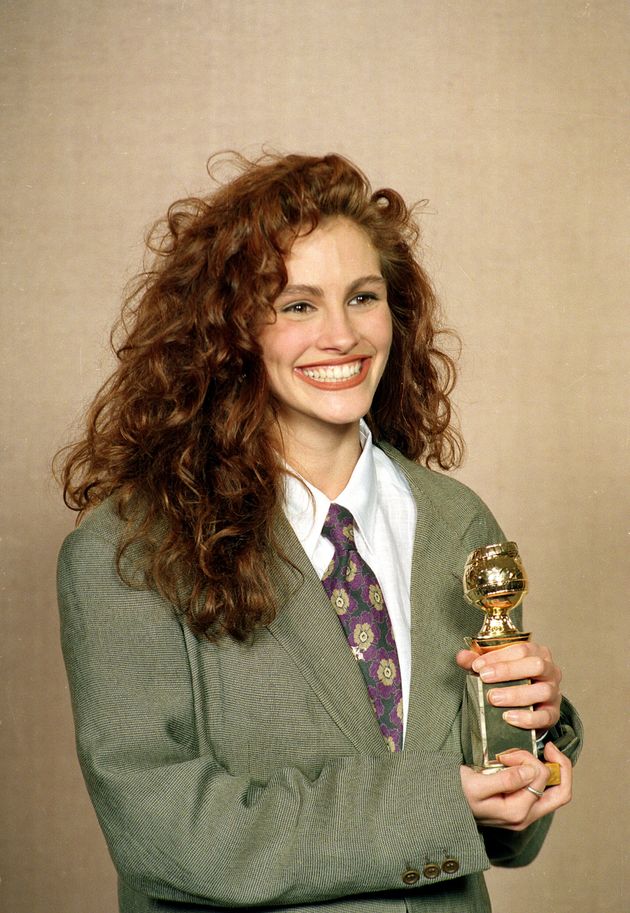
(495, 582)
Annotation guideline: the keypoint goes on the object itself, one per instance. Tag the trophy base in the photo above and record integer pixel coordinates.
(485, 734)
(488, 733)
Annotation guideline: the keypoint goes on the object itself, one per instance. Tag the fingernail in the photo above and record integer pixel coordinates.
(510, 716)
(497, 696)
(478, 665)
(488, 675)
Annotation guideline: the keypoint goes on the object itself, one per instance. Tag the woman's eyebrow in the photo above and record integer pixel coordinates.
(366, 280)
(315, 291)
(310, 290)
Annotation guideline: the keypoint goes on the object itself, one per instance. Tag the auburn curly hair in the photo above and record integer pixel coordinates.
(182, 433)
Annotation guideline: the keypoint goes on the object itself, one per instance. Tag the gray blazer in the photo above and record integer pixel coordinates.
(255, 775)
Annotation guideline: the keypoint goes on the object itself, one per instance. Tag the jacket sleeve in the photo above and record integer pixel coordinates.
(180, 826)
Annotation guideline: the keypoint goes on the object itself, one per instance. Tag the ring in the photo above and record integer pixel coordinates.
(539, 793)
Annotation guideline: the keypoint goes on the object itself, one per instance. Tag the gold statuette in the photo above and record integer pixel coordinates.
(495, 582)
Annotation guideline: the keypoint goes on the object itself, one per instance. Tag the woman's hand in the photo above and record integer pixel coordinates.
(503, 800)
(524, 660)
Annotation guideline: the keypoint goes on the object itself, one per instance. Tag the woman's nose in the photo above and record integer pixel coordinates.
(338, 330)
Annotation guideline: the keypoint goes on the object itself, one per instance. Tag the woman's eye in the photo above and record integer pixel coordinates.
(364, 298)
(297, 307)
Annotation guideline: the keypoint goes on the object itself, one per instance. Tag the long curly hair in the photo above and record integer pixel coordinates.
(182, 433)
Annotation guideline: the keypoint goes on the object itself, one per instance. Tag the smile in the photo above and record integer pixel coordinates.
(338, 376)
(333, 373)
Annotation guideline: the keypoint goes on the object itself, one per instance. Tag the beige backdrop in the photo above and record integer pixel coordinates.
(508, 115)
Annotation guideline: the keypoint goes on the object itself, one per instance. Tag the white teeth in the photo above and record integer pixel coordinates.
(333, 373)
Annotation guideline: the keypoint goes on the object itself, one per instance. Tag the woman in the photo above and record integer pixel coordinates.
(262, 612)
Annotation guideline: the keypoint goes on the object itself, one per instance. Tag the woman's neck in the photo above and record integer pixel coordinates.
(326, 460)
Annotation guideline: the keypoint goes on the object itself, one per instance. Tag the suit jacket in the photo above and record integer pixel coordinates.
(255, 775)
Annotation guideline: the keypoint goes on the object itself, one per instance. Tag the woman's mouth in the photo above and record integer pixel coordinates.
(335, 376)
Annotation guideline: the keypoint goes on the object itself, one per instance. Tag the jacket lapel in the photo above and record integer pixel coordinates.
(308, 629)
(436, 636)
(439, 618)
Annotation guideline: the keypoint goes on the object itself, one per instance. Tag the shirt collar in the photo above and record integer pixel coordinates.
(359, 495)
(306, 507)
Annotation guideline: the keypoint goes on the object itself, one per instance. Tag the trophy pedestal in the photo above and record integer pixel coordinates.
(486, 734)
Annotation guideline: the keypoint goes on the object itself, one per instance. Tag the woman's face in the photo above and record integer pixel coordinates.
(327, 348)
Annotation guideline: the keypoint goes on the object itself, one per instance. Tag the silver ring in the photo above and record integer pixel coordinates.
(539, 793)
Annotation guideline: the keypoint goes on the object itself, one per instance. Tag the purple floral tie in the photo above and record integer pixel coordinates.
(357, 598)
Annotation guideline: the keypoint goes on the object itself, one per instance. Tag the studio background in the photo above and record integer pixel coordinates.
(510, 117)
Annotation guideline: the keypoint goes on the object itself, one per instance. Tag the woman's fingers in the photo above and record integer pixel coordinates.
(553, 797)
(562, 793)
(466, 658)
(515, 797)
(508, 780)
(531, 662)
(516, 758)
(502, 798)
(523, 695)
(544, 697)
(500, 669)
(541, 718)
(516, 651)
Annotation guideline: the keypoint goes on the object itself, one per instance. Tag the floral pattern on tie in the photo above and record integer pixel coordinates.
(363, 636)
(340, 600)
(358, 601)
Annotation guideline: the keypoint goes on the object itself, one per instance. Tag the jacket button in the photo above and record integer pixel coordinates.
(450, 866)
(431, 870)
(411, 876)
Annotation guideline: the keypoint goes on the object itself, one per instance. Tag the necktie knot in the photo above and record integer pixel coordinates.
(338, 528)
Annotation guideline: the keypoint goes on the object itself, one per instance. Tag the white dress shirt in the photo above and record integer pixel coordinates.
(378, 497)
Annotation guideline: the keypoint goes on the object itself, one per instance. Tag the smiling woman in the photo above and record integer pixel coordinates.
(259, 615)
(189, 409)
